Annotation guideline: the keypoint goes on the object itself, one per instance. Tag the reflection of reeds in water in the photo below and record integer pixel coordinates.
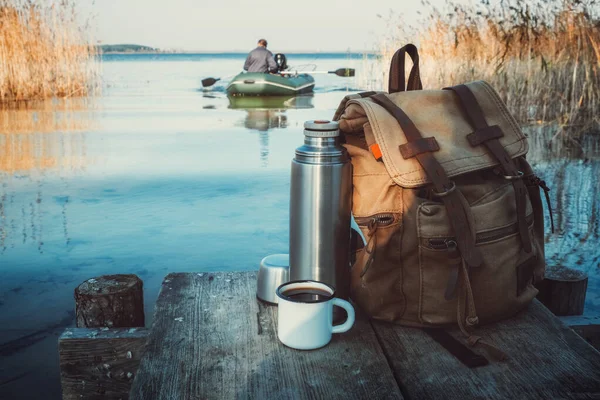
(26, 152)
(47, 136)
(59, 115)
(43, 52)
(575, 193)
(50, 136)
(544, 145)
(542, 56)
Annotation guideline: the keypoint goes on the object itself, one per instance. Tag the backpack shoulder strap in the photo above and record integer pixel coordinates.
(422, 148)
(488, 136)
(396, 81)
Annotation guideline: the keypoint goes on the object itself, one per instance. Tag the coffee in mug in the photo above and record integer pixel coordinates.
(305, 314)
(307, 294)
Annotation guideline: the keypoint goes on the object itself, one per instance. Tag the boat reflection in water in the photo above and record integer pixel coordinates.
(265, 113)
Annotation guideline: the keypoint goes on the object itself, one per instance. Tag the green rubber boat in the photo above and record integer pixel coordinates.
(258, 84)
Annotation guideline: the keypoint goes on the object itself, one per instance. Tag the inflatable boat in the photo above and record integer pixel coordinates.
(258, 84)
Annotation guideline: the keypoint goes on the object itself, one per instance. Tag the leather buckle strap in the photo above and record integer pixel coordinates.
(422, 145)
(483, 135)
(453, 199)
(488, 136)
(519, 175)
(366, 94)
(446, 192)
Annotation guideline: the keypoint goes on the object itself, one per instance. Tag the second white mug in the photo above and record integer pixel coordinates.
(305, 314)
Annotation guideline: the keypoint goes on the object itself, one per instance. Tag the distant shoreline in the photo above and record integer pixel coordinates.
(124, 49)
(133, 53)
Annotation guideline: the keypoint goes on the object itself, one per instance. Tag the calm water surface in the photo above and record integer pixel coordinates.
(158, 176)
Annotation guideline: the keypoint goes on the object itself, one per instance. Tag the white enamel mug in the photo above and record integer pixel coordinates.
(307, 323)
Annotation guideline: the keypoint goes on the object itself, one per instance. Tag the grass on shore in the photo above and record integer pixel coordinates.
(543, 57)
(44, 53)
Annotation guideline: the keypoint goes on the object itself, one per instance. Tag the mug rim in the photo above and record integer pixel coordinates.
(286, 298)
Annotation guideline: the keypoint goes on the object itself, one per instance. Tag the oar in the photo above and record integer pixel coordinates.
(339, 72)
(209, 81)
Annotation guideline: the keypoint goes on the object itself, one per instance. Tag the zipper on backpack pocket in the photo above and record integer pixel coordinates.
(442, 244)
(373, 222)
(376, 220)
(484, 237)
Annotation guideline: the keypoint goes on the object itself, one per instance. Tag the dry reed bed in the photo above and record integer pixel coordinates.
(43, 52)
(543, 57)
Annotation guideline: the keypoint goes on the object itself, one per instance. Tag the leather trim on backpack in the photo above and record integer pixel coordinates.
(488, 136)
(457, 206)
(435, 113)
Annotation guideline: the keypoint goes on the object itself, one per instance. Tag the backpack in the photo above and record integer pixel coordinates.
(450, 209)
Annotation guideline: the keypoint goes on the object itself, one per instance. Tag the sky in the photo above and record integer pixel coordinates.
(231, 26)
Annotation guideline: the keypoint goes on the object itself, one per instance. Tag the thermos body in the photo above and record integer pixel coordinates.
(320, 206)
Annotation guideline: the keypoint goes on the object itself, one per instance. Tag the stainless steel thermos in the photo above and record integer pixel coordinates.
(320, 205)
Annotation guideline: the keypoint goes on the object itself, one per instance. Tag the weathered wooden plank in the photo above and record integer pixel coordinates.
(585, 326)
(99, 363)
(212, 338)
(547, 361)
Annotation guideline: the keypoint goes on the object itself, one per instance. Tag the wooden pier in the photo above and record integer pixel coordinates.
(212, 339)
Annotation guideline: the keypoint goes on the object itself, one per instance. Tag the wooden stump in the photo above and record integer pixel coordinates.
(100, 363)
(113, 301)
(563, 290)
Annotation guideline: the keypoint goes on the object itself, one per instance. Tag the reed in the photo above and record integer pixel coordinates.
(542, 56)
(44, 52)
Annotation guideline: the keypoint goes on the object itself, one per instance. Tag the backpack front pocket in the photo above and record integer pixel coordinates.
(499, 284)
(377, 271)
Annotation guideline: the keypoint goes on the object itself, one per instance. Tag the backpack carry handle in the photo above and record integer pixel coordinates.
(397, 74)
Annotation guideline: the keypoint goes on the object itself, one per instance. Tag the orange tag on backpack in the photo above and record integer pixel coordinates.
(376, 151)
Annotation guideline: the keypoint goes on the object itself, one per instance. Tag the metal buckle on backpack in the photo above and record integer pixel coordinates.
(444, 193)
(519, 175)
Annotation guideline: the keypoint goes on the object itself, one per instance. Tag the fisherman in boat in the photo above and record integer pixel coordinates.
(261, 60)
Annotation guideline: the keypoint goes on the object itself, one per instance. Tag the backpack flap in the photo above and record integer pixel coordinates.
(437, 114)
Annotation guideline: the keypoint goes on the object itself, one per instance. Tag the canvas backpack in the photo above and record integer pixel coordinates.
(450, 209)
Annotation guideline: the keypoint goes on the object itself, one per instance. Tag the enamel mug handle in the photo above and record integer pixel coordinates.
(345, 327)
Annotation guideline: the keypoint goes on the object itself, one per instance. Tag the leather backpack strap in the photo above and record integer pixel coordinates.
(422, 148)
(396, 81)
(488, 136)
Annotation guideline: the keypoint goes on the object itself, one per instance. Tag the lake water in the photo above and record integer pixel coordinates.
(157, 175)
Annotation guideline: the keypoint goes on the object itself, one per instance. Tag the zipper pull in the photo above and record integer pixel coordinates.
(372, 226)
(541, 183)
(454, 260)
(371, 244)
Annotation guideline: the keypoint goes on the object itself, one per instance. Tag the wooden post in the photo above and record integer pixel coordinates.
(100, 363)
(100, 357)
(113, 301)
(563, 290)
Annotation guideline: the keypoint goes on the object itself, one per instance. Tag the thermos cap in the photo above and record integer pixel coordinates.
(321, 128)
(273, 271)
